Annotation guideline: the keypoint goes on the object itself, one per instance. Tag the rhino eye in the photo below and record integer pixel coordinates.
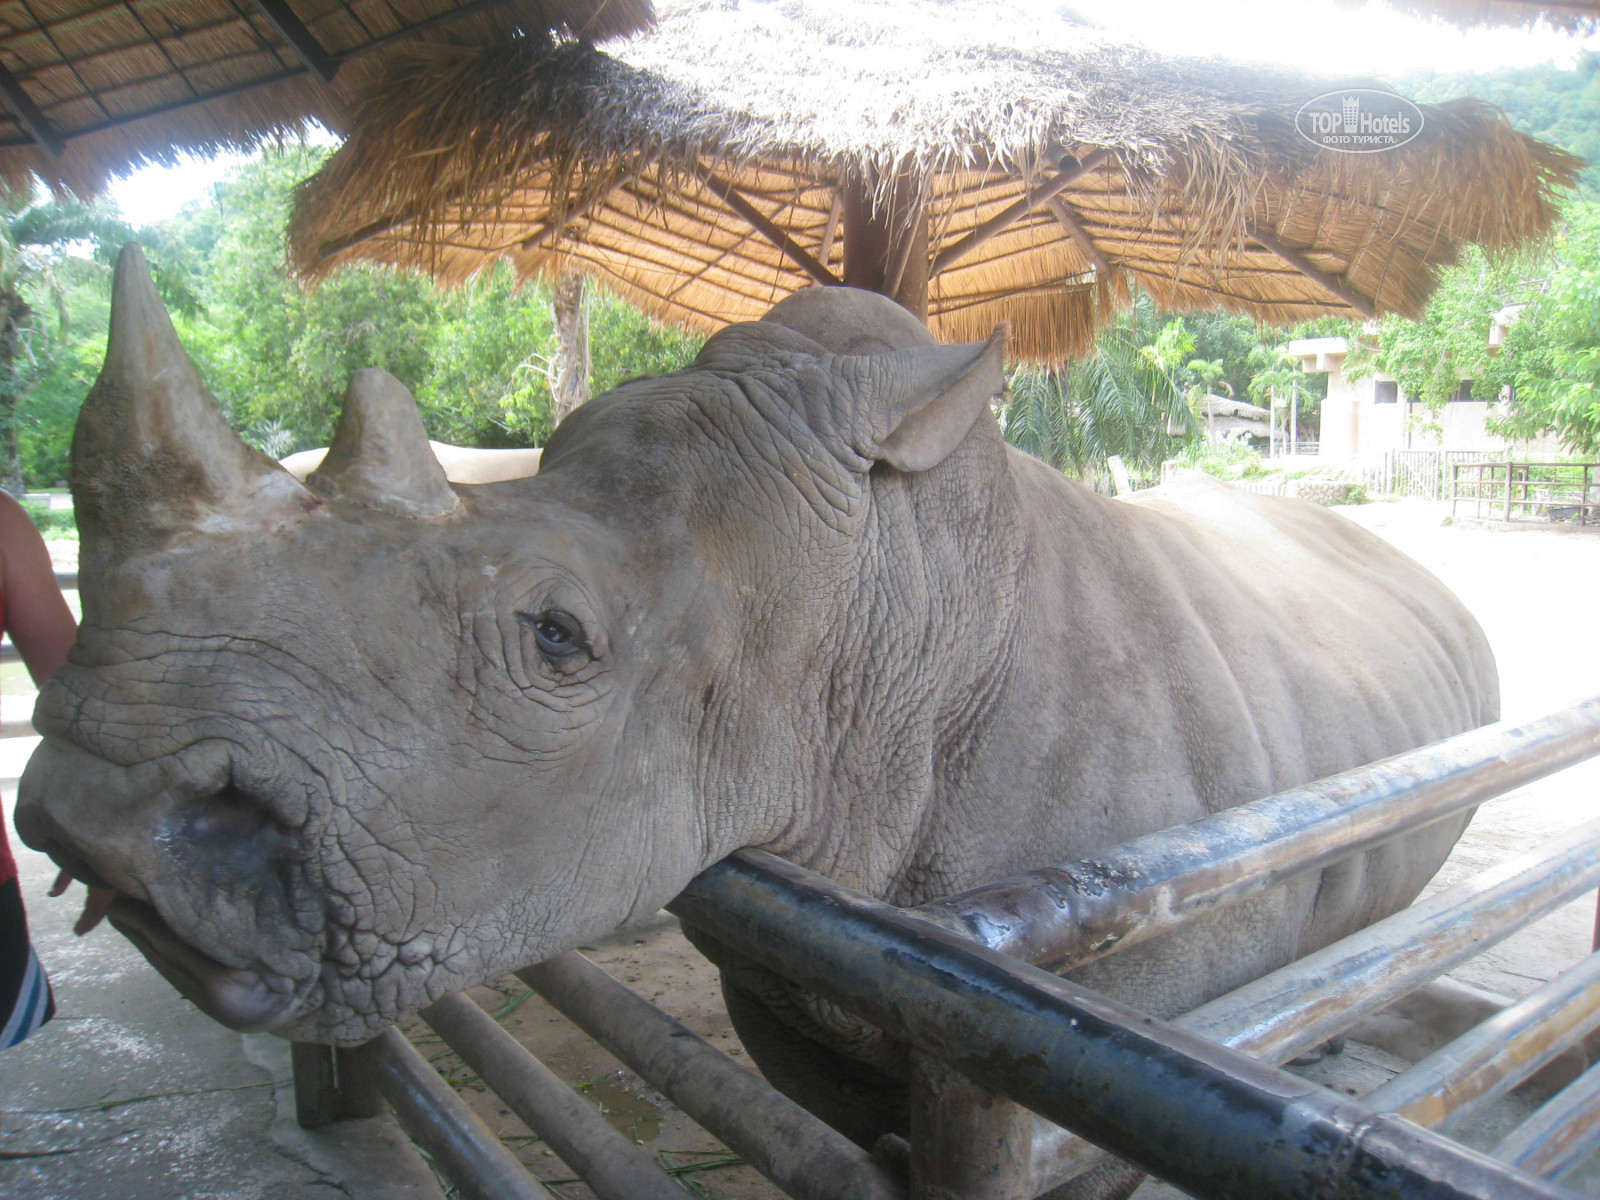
(557, 634)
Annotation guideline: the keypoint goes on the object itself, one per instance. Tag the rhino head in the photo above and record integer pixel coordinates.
(343, 746)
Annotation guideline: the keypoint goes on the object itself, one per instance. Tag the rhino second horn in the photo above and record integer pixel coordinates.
(152, 454)
(380, 457)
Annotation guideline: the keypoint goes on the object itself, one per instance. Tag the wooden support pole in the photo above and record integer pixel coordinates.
(886, 242)
(1070, 222)
(29, 116)
(300, 39)
(333, 1084)
(830, 231)
(1015, 212)
(1332, 283)
(792, 249)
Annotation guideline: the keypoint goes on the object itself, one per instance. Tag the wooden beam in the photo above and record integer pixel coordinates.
(301, 40)
(555, 228)
(830, 231)
(790, 248)
(29, 116)
(400, 35)
(1069, 220)
(1011, 215)
(1333, 283)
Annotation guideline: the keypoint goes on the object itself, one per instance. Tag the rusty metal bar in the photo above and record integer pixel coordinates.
(1481, 1066)
(1561, 1134)
(1310, 1000)
(612, 1166)
(1061, 917)
(804, 1157)
(1129, 1083)
(473, 1158)
(1293, 1009)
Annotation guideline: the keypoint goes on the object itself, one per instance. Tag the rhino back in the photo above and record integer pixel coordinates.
(1192, 651)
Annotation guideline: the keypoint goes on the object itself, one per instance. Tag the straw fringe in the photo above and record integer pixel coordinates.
(565, 158)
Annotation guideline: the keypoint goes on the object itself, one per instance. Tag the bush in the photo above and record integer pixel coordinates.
(58, 524)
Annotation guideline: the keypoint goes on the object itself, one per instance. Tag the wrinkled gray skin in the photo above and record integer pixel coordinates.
(347, 746)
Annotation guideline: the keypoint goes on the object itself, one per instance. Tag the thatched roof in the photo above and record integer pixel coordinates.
(1575, 16)
(709, 168)
(95, 87)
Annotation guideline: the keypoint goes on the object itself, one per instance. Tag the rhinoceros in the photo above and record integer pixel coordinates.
(344, 746)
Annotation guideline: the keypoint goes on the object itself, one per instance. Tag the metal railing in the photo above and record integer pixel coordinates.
(1556, 491)
(1022, 1080)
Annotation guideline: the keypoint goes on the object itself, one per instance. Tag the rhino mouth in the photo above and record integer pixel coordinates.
(250, 1000)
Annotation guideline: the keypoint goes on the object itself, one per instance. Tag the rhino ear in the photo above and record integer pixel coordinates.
(918, 404)
(380, 457)
(152, 454)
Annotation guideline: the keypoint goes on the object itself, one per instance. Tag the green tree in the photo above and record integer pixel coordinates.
(34, 238)
(1551, 357)
(1121, 400)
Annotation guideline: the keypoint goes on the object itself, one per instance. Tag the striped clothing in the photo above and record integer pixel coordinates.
(25, 999)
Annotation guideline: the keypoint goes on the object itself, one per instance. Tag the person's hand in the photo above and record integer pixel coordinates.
(94, 908)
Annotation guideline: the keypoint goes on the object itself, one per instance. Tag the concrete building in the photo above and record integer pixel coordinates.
(1367, 417)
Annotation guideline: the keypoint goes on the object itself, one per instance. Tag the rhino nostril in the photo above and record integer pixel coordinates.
(224, 816)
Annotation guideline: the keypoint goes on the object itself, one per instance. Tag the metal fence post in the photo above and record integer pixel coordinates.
(967, 1143)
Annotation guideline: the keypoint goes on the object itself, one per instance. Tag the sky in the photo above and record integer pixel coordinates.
(1318, 36)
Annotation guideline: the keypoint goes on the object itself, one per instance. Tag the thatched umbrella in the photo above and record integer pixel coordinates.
(976, 166)
(94, 88)
(1570, 16)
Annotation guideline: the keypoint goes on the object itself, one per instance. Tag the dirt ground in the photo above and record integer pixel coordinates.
(1536, 591)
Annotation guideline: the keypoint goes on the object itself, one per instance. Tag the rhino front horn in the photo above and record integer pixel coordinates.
(152, 454)
(380, 457)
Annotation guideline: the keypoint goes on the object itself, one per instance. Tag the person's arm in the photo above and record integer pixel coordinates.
(36, 614)
(42, 629)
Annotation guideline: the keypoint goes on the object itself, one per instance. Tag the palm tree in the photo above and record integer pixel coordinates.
(1120, 400)
(1280, 382)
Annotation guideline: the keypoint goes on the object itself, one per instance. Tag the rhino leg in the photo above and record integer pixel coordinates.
(846, 1072)
(855, 1098)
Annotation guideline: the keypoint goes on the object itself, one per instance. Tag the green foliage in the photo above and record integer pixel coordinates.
(1429, 357)
(1120, 400)
(1552, 104)
(1550, 359)
(1552, 354)
(45, 416)
(57, 524)
(278, 356)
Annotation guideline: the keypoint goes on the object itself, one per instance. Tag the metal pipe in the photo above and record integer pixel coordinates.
(1130, 1083)
(1484, 1064)
(612, 1166)
(1316, 997)
(472, 1157)
(1561, 1134)
(804, 1157)
(1064, 916)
